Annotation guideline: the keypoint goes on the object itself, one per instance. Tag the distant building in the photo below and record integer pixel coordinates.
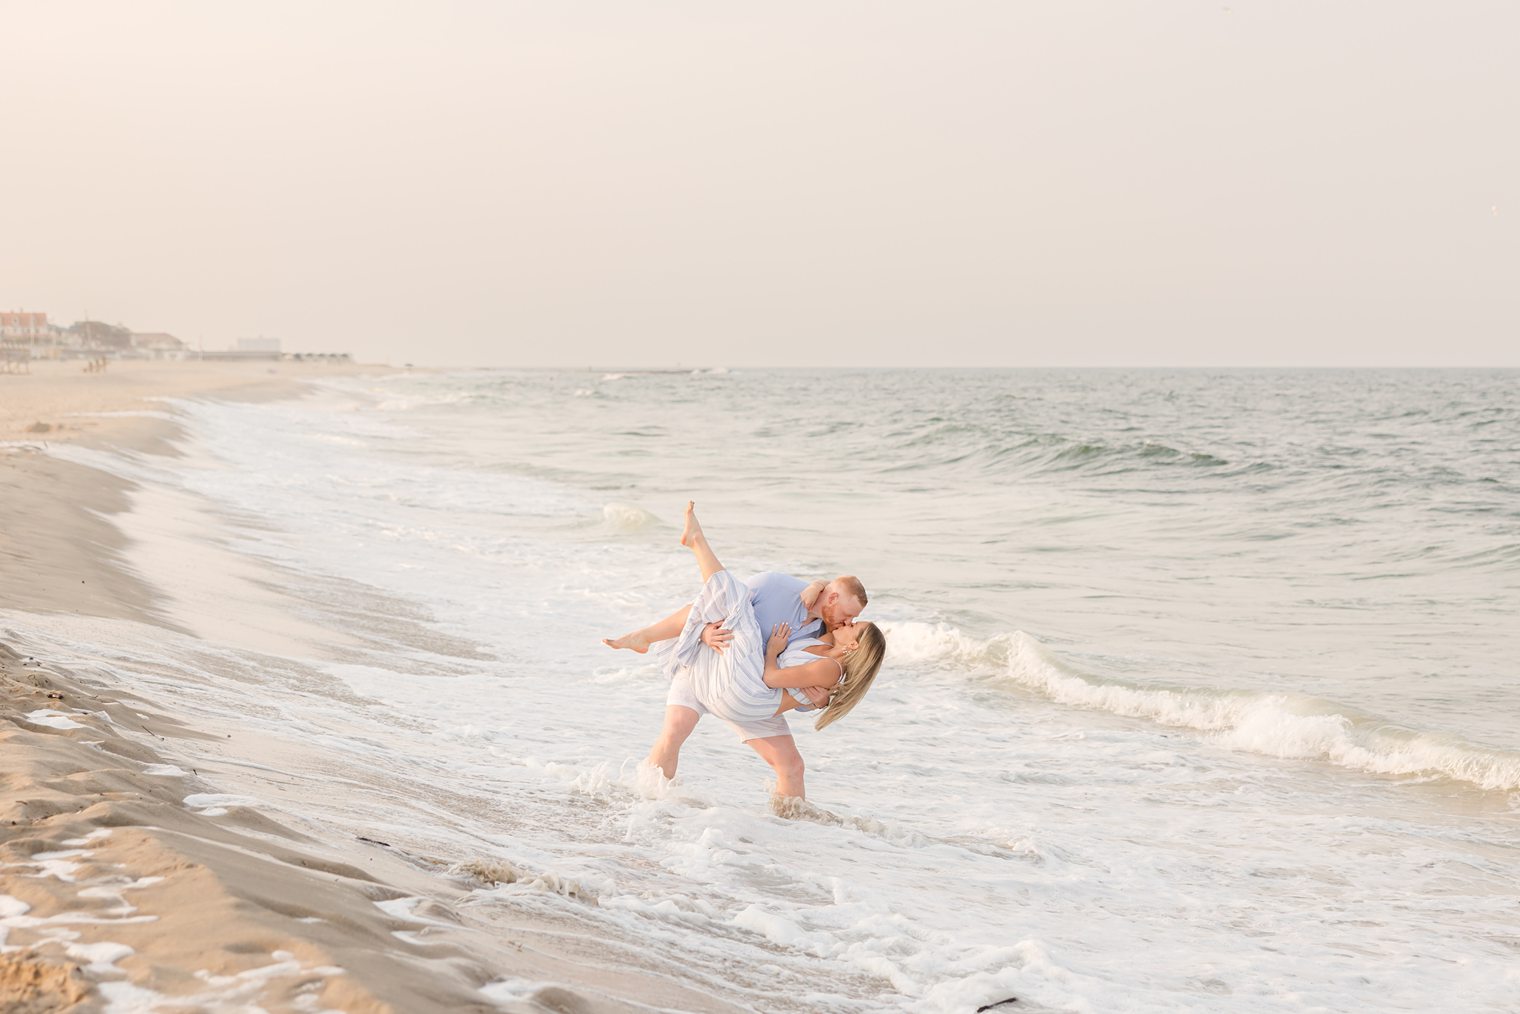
(98, 335)
(245, 349)
(23, 327)
(158, 345)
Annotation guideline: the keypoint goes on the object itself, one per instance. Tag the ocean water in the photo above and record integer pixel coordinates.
(1202, 689)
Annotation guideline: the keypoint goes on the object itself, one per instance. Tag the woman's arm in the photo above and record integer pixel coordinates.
(810, 594)
(822, 673)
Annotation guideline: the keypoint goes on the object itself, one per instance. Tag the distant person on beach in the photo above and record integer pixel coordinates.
(721, 663)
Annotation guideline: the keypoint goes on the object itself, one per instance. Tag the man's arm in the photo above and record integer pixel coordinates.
(818, 695)
(716, 636)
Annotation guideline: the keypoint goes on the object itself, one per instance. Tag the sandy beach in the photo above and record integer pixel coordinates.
(130, 883)
(1141, 385)
(306, 707)
(53, 518)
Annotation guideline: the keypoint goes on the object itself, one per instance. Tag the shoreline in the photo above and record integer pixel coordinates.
(129, 880)
(92, 830)
(58, 402)
(53, 515)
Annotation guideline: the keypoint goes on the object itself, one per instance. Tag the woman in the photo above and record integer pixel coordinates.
(745, 684)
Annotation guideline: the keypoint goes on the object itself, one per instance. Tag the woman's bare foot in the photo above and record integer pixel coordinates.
(693, 531)
(635, 641)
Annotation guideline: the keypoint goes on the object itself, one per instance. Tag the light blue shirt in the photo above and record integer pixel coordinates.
(777, 598)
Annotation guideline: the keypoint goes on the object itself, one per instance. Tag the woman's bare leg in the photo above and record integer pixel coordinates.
(780, 752)
(672, 625)
(693, 539)
(660, 630)
(666, 751)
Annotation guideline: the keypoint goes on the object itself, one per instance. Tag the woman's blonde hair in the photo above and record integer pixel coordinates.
(860, 668)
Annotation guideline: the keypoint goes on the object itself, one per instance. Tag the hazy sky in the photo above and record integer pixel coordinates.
(627, 183)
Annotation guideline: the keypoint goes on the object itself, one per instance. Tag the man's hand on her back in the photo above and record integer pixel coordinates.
(716, 637)
(818, 695)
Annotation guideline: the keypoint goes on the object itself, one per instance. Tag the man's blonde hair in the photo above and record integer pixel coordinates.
(851, 584)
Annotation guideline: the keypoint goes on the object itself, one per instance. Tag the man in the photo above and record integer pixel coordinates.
(809, 609)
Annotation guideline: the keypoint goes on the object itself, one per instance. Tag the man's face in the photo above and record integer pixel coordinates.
(839, 608)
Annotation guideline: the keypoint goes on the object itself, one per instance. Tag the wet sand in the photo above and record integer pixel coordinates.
(127, 882)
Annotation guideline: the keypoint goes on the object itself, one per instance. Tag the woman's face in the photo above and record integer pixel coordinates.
(845, 637)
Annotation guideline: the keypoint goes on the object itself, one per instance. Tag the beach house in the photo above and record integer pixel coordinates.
(22, 327)
(158, 345)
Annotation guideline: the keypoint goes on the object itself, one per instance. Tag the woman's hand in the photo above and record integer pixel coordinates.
(811, 592)
(780, 634)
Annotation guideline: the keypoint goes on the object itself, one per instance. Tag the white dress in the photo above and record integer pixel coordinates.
(730, 685)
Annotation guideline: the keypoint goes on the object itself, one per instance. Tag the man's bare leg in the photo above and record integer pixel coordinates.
(666, 751)
(660, 630)
(780, 752)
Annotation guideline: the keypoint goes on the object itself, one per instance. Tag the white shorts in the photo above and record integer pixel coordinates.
(682, 694)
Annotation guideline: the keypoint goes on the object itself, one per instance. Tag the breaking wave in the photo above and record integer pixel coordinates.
(1283, 725)
(627, 517)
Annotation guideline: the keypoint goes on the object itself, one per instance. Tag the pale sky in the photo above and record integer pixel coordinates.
(711, 183)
